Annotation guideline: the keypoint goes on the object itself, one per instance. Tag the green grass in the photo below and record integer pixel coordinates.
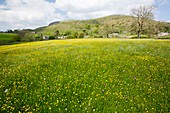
(6, 38)
(162, 37)
(85, 75)
(141, 37)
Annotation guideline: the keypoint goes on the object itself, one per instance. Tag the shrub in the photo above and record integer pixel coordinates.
(96, 31)
(56, 33)
(98, 36)
(51, 37)
(67, 33)
(24, 36)
(75, 34)
(17, 38)
(38, 38)
(81, 35)
(70, 37)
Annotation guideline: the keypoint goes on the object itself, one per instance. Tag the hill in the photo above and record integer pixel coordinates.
(121, 24)
(88, 26)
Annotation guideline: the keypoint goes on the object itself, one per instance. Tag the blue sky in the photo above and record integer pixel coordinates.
(23, 14)
(163, 10)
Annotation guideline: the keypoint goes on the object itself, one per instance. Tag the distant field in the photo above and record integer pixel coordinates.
(6, 38)
(85, 75)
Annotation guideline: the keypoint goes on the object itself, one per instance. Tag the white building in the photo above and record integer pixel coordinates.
(45, 37)
(113, 35)
(163, 34)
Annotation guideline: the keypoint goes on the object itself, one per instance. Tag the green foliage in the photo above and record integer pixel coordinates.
(57, 33)
(25, 36)
(9, 31)
(67, 33)
(85, 75)
(98, 36)
(88, 27)
(96, 31)
(70, 37)
(163, 27)
(17, 38)
(15, 31)
(81, 35)
(97, 25)
(38, 38)
(141, 36)
(51, 37)
(84, 31)
(75, 34)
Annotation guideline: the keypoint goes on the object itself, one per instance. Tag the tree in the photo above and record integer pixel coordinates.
(24, 36)
(16, 31)
(107, 30)
(88, 27)
(9, 31)
(67, 33)
(56, 33)
(142, 14)
(81, 35)
(75, 34)
(96, 31)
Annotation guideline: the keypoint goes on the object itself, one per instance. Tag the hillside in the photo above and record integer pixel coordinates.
(92, 25)
(121, 24)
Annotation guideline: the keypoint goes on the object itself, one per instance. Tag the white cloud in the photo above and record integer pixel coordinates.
(27, 13)
(98, 8)
(33, 13)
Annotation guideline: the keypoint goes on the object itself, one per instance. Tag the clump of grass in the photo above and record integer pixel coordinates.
(85, 75)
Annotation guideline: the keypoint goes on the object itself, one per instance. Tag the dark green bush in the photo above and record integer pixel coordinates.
(67, 33)
(98, 36)
(38, 38)
(51, 37)
(81, 35)
(70, 37)
(75, 34)
(17, 38)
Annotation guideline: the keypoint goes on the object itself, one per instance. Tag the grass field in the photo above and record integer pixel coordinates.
(85, 75)
(6, 38)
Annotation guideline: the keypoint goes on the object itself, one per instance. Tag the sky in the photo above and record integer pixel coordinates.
(30, 14)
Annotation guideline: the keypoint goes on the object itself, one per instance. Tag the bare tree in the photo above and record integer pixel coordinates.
(142, 14)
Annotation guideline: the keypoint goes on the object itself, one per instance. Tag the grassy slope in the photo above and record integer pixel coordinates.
(102, 75)
(76, 25)
(119, 23)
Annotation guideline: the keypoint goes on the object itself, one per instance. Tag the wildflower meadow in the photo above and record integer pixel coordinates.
(85, 76)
